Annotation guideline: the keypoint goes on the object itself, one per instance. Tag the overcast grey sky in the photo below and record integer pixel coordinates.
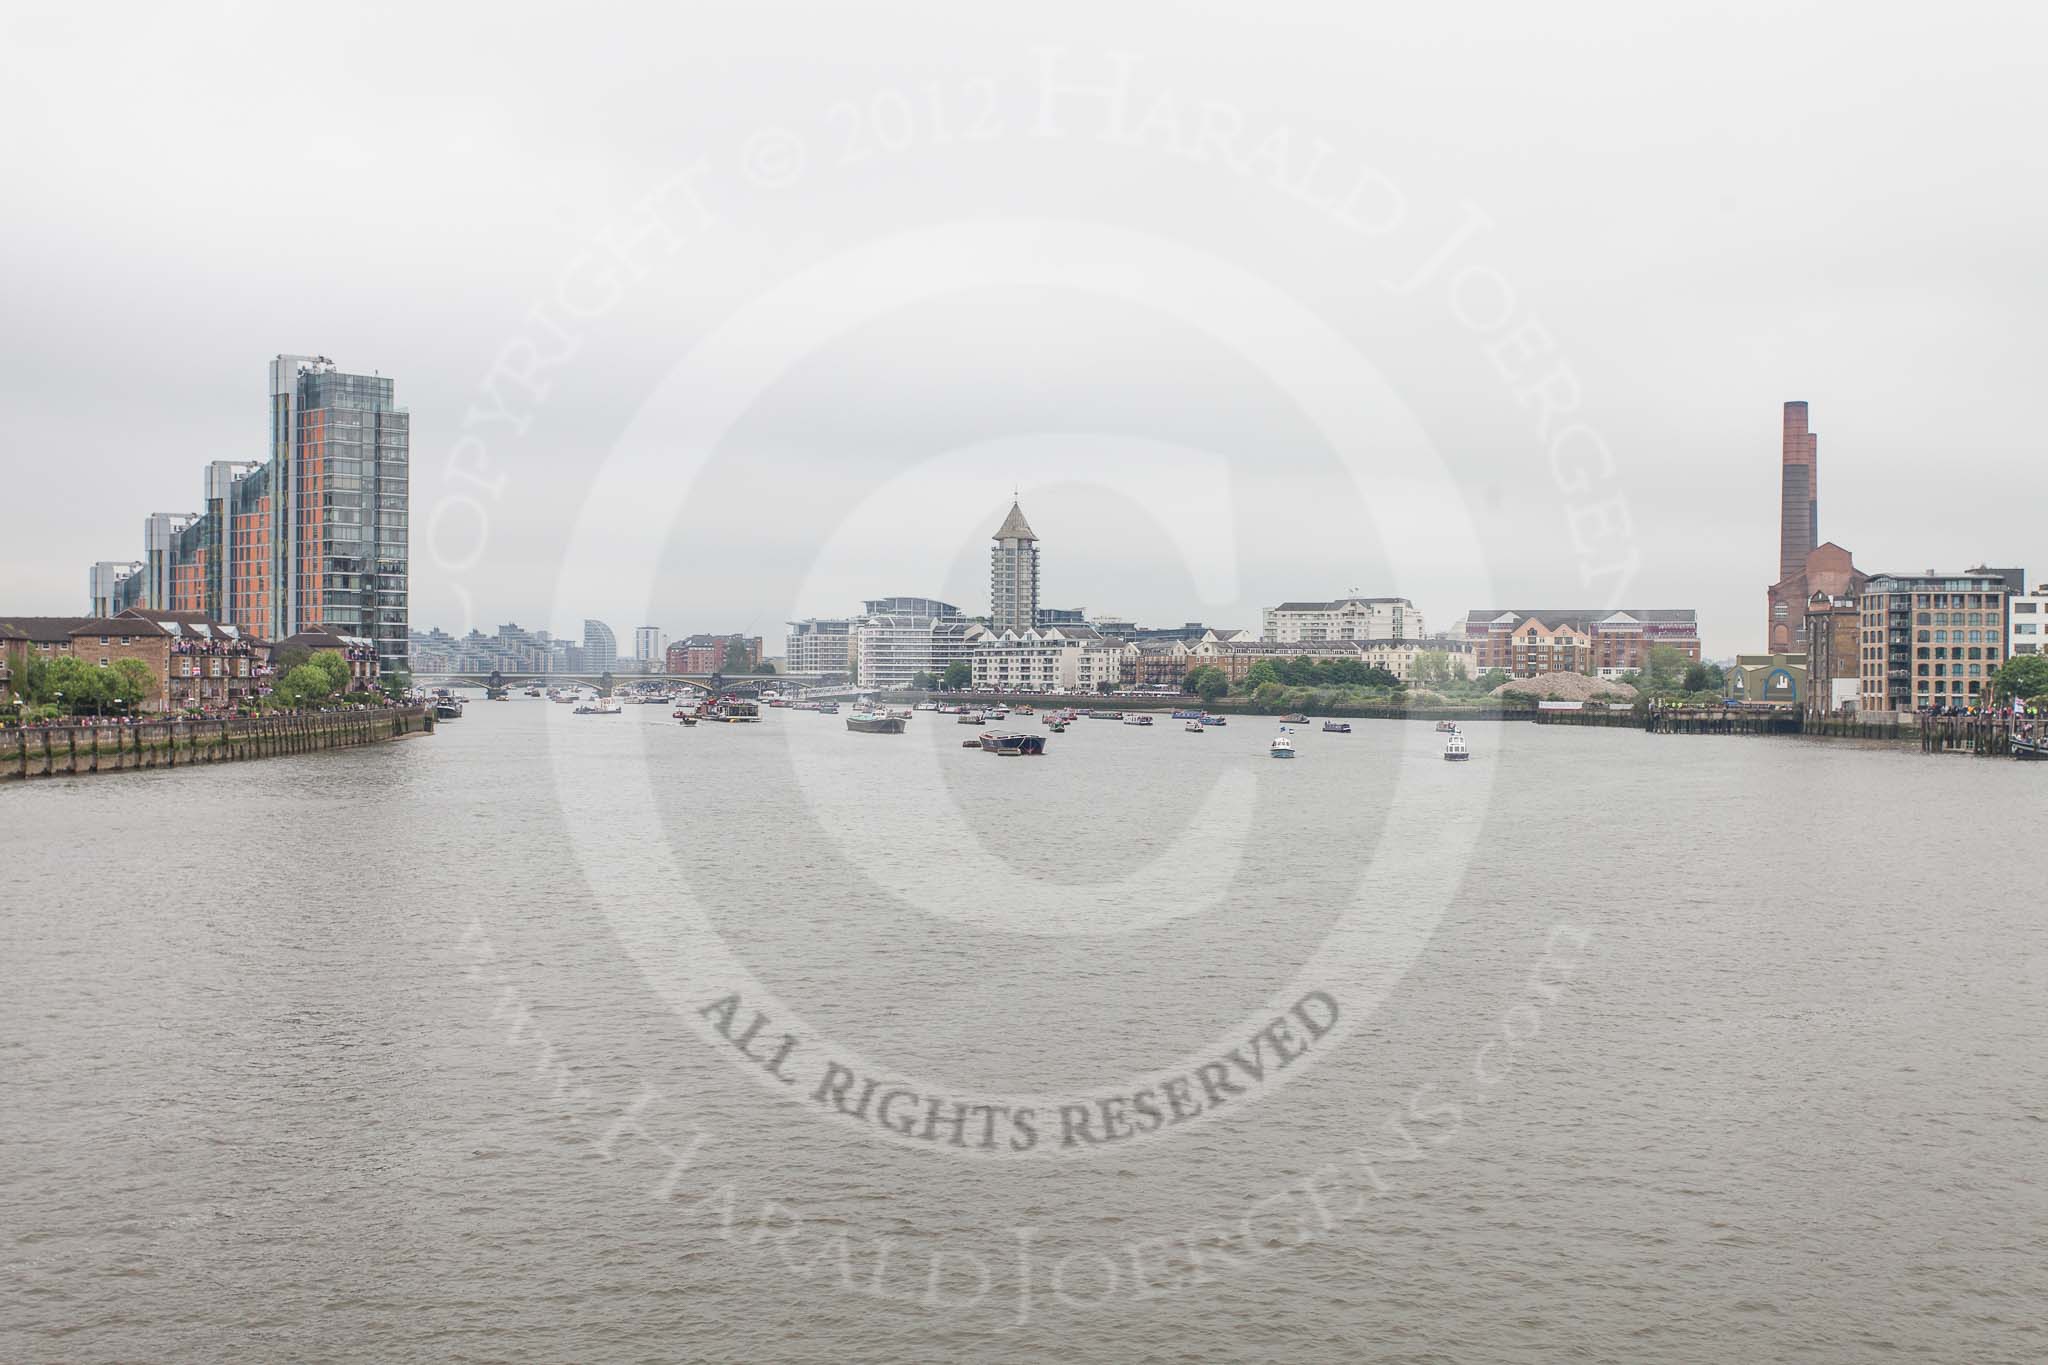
(1584, 251)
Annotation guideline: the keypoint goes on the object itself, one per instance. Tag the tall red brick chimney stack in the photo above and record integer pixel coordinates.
(1799, 504)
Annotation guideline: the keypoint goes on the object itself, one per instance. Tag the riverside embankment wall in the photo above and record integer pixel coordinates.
(70, 750)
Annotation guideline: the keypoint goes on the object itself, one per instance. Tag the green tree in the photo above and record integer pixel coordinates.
(397, 683)
(334, 668)
(308, 685)
(1209, 682)
(1491, 678)
(1665, 673)
(764, 669)
(2024, 676)
(1259, 675)
(76, 687)
(735, 659)
(132, 684)
(922, 681)
(959, 674)
(1704, 677)
(1432, 667)
(32, 683)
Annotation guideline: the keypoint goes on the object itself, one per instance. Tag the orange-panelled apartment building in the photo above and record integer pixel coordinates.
(314, 537)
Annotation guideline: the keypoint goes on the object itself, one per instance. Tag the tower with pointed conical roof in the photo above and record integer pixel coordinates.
(1013, 575)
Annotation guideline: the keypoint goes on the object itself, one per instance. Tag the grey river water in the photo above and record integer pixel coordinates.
(1652, 1049)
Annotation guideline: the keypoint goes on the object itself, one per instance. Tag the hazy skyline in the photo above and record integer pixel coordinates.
(1660, 226)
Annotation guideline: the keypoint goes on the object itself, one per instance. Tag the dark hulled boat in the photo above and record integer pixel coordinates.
(1008, 746)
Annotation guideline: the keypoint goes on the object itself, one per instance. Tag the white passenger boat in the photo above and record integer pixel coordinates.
(1454, 748)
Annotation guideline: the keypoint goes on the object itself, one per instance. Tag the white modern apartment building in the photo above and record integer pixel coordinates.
(2026, 616)
(650, 646)
(600, 647)
(888, 651)
(820, 644)
(1346, 618)
(1048, 659)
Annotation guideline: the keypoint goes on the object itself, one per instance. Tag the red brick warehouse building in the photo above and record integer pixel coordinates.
(1805, 566)
(706, 653)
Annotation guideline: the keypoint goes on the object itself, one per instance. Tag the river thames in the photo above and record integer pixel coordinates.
(603, 1039)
